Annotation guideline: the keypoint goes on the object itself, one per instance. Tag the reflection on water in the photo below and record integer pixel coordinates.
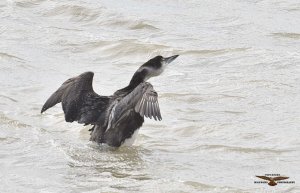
(230, 102)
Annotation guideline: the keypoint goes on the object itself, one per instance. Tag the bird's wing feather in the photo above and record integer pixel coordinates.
(148, 104)
(264, 177)
(143, 99)
(79, 101)
(280, 178)
(57, 96)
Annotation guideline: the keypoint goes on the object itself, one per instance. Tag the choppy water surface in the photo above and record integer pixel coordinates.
(230, 102)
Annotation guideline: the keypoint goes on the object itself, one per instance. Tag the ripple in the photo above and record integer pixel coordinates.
(196, 97)
(186, 97)
(63, 28)
(129, 23)
(8, 140)
(30, 89)
(15, 62)
(82, 47)
(198, 185)
(244, 149)
(143, 25)
(231, 112)
(9, 56)
(125, 47)
(28, 3)
(75, 12)
(112, 48)
(10, 98)
(214, 52)
(295, 36)
(14, 123)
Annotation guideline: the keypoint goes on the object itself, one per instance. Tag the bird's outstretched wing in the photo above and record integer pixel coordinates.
(143, 100)
(264, 177)
(148, 104)
(79, 101)
(280, 178)
(127, 113)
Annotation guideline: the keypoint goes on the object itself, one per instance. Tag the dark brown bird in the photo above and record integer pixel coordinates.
(272, 181)
(116, 118)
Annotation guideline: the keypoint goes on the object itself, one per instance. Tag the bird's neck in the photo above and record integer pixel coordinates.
(138, 77)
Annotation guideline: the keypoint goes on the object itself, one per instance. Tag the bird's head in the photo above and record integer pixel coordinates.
(155, 66)
(151, 68)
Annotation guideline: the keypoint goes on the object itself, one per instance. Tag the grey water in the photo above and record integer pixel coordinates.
(230, 103)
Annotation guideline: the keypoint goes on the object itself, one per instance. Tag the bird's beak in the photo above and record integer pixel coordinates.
(170, 59)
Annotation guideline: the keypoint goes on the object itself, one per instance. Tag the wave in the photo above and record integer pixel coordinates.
(75, 12)
(28, 4)
(243, 149)
(295, 36)
(117, 48)
(98, 16)
(4, 120)
(213, 52)
(9, 56)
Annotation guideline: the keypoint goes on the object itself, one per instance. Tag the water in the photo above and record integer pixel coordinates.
(230, 103)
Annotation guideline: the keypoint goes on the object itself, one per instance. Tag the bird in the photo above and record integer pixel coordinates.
(272, 181)
(115, 119)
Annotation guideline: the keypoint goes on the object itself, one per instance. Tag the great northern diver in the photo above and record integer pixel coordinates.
(115, 118)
